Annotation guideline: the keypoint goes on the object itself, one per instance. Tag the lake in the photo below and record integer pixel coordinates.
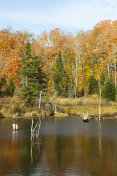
(65, 147)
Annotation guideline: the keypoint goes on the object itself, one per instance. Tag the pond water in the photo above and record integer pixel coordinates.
(65, 147)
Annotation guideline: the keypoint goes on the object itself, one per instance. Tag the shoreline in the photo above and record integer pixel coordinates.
(65, 108)
(64, 115)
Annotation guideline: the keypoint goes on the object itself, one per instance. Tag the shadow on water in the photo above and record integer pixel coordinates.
(64, 147)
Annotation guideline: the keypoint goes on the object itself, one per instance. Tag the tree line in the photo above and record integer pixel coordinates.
(59, 63)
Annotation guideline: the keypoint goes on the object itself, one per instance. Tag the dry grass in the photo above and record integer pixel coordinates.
(7, 111)
(91, 109)
(89, 104)
(11, 110)
(90, 100)
(69, 105)
(61, 115)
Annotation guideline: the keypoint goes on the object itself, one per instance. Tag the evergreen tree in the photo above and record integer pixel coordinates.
(58, 75)
(102, 78)
(66, 81)
(32, 76)
(10, 88)
(61, 78)
(109, 91)
(2, 84)
(93, 85)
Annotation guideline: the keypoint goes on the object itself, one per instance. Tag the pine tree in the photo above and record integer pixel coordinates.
(32, 76)
(66, 81)
(58, 75)
(93, 85)
(102, 78)
(61, 78)
(109, 91)
(10, 88)
(2, 86)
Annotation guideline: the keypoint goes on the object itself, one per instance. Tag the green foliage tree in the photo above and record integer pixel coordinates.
(109, 91)
(102, 78)
(2, 84)
(66, 81)
(58, 75)
(93, 85)
(10, 88)
(61, 78)
(32, 76)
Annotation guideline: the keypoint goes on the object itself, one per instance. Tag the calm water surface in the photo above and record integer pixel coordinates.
(66, 147)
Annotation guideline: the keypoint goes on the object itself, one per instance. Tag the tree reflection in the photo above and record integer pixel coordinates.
(80, 153)
(58, 154)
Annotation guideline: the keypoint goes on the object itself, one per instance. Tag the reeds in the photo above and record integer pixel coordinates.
(91, 100)
(89, 104)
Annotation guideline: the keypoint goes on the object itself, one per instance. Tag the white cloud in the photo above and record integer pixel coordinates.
(21, 16)
(85, 14)
(75, 14)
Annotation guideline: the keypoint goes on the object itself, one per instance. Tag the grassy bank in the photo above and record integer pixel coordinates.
(89, 104)
(12, 112)
(65, 107)
(15, 108)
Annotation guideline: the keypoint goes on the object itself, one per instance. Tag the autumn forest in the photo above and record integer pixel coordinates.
(58, 63)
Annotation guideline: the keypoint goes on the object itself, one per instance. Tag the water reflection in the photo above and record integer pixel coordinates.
(65, 147)
(100, 139)
(14, 136)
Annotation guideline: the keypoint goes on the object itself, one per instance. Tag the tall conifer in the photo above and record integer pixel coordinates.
(61, 78)
(32, 76)
(93, 85)
(109, 91)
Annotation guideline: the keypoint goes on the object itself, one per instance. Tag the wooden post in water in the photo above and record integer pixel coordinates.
(15, 126)
(100, 105)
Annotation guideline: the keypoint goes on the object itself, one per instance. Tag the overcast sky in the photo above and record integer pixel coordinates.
(35, 16)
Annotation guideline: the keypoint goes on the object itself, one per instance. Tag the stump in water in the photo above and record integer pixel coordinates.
(86, 117)
(35, 130)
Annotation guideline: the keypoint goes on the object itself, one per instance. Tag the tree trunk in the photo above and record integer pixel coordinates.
(99, 73)
(114, 56)
(40, 100)
(76, 77)
(100, 105)
(82, 78)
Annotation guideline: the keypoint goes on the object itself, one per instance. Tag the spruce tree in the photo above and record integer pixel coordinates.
(32, 76)
(66, 81)
(93, 85)
(103, 78)
(109, 91)
(10, 88)
(58, 75)
(61, 78)
(2, 84)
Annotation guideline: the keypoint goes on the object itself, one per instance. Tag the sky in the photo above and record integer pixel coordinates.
(36, 16)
